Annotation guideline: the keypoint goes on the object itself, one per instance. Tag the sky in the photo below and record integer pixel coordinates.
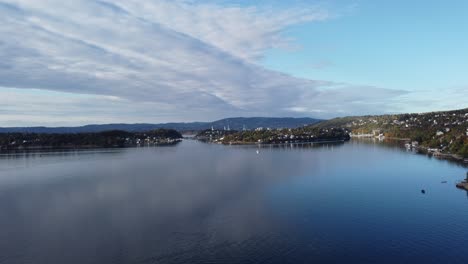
(81, 62)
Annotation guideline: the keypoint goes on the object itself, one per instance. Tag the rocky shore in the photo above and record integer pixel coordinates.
(463, 185)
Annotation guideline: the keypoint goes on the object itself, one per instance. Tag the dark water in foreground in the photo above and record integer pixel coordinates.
(201, 203)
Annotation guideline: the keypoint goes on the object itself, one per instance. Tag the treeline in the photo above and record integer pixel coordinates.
(106, 139)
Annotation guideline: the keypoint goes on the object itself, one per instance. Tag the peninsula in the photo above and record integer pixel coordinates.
(275, 136)
(106, 139)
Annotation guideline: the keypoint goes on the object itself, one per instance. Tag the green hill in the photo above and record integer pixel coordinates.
(445, 132)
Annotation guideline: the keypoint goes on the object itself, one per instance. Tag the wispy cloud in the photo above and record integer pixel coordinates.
(180, 59)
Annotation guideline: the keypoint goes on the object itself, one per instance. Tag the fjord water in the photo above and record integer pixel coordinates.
(357, 202)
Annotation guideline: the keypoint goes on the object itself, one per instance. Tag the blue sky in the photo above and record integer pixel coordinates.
(128, 61)
(413, 45)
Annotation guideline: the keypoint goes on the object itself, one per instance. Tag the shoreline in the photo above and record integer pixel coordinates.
(441, 155)
(81, 147)
(239, 143)
(278, 144)
(423, 150)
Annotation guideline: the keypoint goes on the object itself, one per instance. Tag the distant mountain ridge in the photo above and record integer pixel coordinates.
(236, 123)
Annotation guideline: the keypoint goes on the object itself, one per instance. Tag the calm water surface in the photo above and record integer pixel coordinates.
(357, 202)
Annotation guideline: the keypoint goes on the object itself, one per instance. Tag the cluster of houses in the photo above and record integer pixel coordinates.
(412, 145)
(443, 120)
(149, 141)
